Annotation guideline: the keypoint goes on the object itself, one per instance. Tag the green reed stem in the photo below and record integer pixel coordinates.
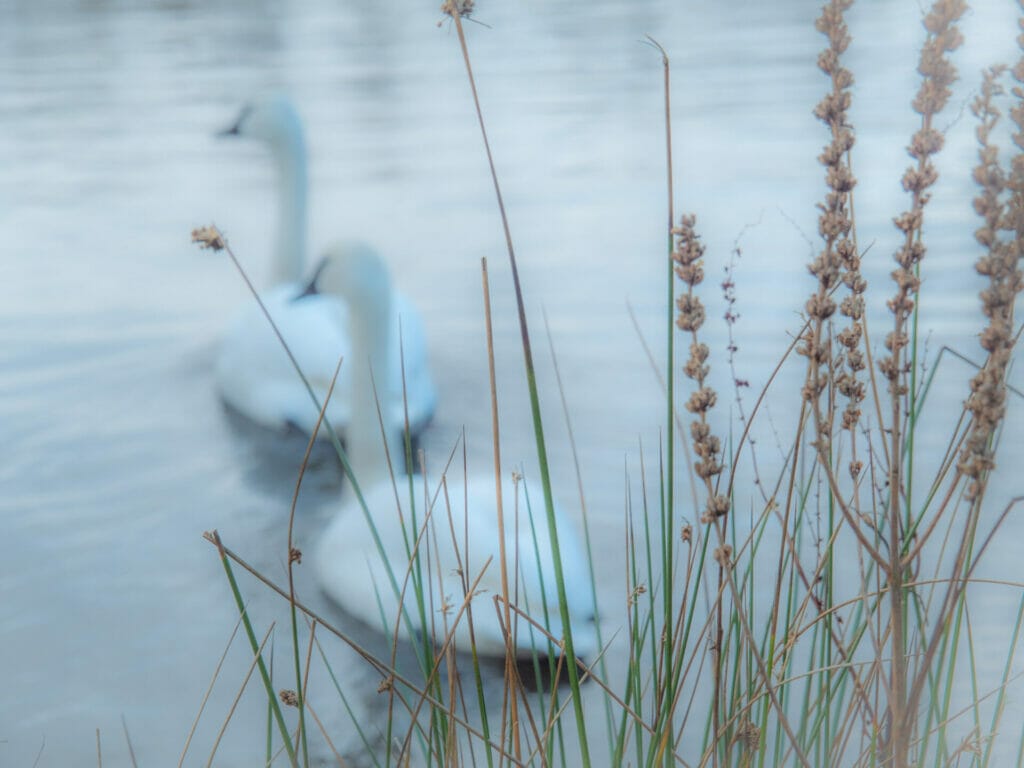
(1001, 697)
(531, 381)
(271, 696)
(668, 508)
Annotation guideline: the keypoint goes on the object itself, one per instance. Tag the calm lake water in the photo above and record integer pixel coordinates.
(115, 454)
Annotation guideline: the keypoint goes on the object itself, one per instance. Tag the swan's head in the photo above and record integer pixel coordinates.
(271, 119)
(354, 271)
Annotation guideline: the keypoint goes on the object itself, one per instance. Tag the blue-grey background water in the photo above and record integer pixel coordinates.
(115, 454)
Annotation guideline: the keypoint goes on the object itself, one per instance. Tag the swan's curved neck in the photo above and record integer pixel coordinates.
(290, 248)
(369, 319)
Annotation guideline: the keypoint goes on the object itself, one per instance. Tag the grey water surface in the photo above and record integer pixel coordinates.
(115, 454)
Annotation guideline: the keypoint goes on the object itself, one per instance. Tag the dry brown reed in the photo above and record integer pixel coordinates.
(836, 363)
(837, 359)
(937, 76)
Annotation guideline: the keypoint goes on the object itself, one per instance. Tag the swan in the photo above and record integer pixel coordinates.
(354, 571)
(254, 375)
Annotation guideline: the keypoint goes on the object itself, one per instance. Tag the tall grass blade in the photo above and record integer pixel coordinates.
(574, 683)
(264, 675)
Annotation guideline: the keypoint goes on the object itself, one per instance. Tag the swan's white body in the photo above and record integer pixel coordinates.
(353, 573)
(254, 374)
(461, 535)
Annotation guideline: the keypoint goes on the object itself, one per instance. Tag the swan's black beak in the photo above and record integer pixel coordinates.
(236, 129)
(312, 289)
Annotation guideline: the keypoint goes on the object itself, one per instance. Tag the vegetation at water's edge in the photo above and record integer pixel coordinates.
(740, 646)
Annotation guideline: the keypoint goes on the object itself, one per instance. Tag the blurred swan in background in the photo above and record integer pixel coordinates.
(253, 372)
(350, 565)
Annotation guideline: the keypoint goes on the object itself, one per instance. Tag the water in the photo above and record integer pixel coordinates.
(116, 455)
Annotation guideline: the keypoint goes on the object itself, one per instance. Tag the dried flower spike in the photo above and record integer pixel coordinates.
(838, 262)
(937, 75)
(689, 268)
(1000, 234)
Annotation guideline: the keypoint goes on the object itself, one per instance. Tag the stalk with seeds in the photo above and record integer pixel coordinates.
(938, 74)
(1001, 265)
(707, 447)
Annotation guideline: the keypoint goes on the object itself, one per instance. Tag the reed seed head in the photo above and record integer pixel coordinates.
(705, 470)
(820, 307)
(691, 312)
(702, 401)
(832, 24)
(634, 596)
(723, 556)
(916, 180)
(208, 237)
(699, 431)
(459, 7)
(688, 246)
(748, 734)
(849, 337)
(853, 306)
(695, 367)
(717, 506)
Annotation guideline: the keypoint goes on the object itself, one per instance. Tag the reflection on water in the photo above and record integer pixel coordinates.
(116, 456)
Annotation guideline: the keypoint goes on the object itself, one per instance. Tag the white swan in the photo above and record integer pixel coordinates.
(349, 562)
(253, 372)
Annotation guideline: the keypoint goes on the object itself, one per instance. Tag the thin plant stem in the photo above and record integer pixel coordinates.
(513, 707)
(531, 380)
(278, 717)
(256, 661)
(293, 556)
(209, 690)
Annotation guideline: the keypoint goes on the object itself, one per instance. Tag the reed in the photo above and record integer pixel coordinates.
(821, 619)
